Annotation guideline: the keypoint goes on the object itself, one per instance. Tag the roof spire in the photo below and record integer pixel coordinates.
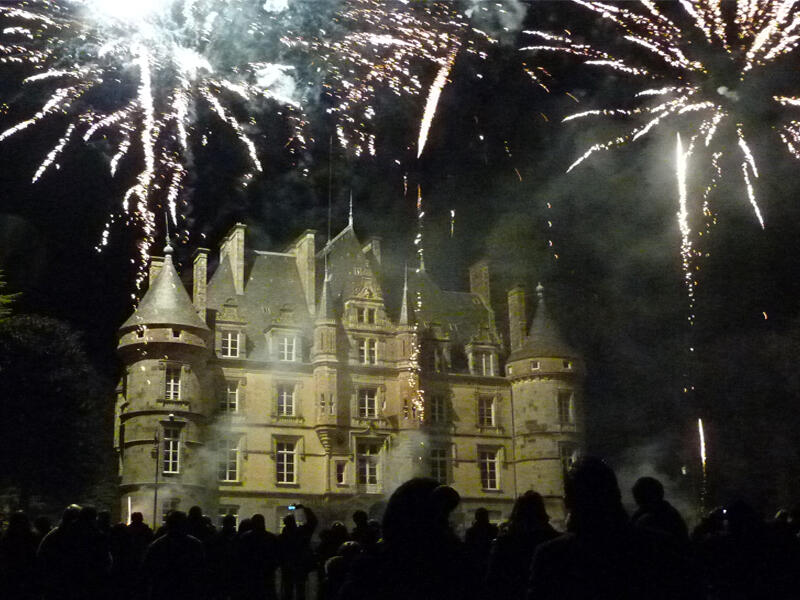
(404, 309)
(168, 247)
(350, 218)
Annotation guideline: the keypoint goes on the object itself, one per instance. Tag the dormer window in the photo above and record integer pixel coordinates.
(365, 315)
(287, 348)
(230, 344)
(483, 363)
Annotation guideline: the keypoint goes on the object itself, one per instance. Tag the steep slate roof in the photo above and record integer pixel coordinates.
(347, 265)
(543, 340)
(166, 301)
(272, 292)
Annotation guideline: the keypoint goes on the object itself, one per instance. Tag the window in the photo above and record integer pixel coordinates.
(230, 399)
(483, 363)
(366, 315)
(367, 351)
(438, 463)
(287, 348)
(225, 511)
(367, 457)
(176, 333)
(567, 364)
(367, 403)
(340, 472)
(171, 450)
(488, 461)
(436, 409)
(285, 463)
(172, 389)
(568, 452)
(535, 365)
(230, 344)
(486, 413)
(285, 401)
(566, 407)
(228, 468)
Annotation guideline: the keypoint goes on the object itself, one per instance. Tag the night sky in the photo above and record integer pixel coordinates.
(497, 155)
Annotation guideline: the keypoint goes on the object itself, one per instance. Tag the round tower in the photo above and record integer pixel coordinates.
(546, 377)
(164, 405)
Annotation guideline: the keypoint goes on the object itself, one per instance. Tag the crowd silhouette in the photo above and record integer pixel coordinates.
(415, 553)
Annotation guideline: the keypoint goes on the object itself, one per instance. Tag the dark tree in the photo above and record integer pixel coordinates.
(53, 406)
(5, 300)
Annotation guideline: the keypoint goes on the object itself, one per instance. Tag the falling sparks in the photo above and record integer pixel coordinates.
(688, 83)
(168, 52)
(703, 457)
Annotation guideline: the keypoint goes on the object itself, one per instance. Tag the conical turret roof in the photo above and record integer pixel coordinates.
(325, 307)
(166, 301)
(544, 339)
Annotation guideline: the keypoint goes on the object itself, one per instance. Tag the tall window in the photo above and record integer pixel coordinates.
(172, 390)
(285, 401)
(285, 462)
(486, 412)
(488, 462)
(340, 472)
(229, 403)
(228, 468)
(367, 403)
(230, 344)
(366, 315)
(438, 463)
(287, 348)
(368, 351)
(566, 407)
(171, 450)
(483, 363)
(367, 457)
(436, 409)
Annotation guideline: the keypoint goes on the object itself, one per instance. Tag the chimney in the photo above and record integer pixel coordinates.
(303, 250)
(374, 246)
(479, 281)
(156, 263)
(199, 280)
(233, 246)
(516, 316)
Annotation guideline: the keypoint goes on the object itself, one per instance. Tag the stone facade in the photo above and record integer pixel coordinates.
(301, 377)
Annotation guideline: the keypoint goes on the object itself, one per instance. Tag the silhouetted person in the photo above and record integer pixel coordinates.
(603, 556)
(174, 564)
(297, 557)
(362, 532)
(92, 557)
(336, 569)
(512, 551)
(479, 538)
(18, 559)
(42, 526)
(330, 540)
(57, 558)
(420, 556)
(656, 513)
(197, 525)
(258, 559)
(141, 536)
(123, 564)
(221, 555)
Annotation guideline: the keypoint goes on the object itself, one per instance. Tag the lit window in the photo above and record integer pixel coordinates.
(228, 460)
(171, 450)
(285, 401)
(488, 462)
(438, 464)
(285, 462)
(230, 401)
(340, 472)
(567, 364)
(486, 412)
(367, 351)
(225, 511)
(367, 458)
(367, 403)
(436, 410)
(172, 390)
(230, 344)
(566, 407)
(535, 365)
(287, 348)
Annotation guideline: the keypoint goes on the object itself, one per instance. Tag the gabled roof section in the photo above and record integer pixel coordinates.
(166, 301)
(544, 339)
(350, 270)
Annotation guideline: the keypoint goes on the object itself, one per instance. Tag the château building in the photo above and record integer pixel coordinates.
(303, 376)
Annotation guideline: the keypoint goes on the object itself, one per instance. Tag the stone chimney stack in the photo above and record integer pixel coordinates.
(199, 281)
(479, 281)
(156, 263)
(516, 316)
(304, 253)
(233, 247)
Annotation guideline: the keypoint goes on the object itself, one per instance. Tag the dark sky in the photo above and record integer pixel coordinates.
(616, 287)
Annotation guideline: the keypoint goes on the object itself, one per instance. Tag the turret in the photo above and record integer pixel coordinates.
(546, 377)
(163, 406)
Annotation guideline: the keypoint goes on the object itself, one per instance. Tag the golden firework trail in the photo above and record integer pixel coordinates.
(674, 51)
(88, 51)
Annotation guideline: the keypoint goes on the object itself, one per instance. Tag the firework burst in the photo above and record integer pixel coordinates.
(136, 74)
(707, 64)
